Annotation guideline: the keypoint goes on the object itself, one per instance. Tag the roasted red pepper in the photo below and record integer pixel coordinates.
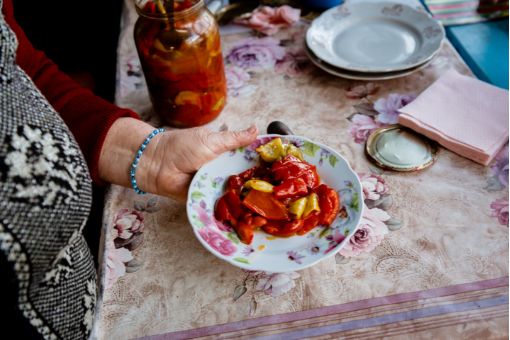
(222, 212)
(291, 167)
(229, 208)
(272, 194)
(245, 232)
(235, 184)
(234, 203)
(329, 203)
(291, 188)
(248, 174)
(266, 205)
(260, 171)
(254, 221)
(247, 226)
(283, 228)
(310, 222)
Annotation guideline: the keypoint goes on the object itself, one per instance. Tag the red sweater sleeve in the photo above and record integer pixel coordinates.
(88, 117)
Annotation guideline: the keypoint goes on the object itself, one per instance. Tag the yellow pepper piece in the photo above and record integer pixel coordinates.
(312, 204)
(297, 207)
(271, 151)
(259, 185)
(188, 97)
(218, 104)
(291, 149)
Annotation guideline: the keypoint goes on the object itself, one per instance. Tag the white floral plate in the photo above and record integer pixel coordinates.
(268, 253)
(372, 76)
(375, 37)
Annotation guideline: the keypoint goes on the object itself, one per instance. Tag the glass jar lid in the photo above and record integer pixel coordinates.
(398, 148)
(168, 10)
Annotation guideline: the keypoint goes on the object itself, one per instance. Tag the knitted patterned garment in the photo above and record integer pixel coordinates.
(45, 198)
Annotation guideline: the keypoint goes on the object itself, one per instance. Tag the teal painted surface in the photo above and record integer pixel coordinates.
(321, 4)
(484, 47)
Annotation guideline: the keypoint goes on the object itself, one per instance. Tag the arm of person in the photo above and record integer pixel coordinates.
(171, 158)
(88, 117)
(109, 136)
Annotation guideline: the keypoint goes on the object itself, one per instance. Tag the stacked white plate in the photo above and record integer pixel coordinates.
(373, 40)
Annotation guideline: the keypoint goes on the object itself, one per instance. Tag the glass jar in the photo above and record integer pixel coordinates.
(180, 54)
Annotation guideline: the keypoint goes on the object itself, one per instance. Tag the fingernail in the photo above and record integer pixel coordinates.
(252, 129)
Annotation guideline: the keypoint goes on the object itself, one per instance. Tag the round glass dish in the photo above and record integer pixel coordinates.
(398, 148)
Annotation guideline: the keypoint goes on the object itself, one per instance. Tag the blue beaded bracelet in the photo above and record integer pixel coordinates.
(139, 153)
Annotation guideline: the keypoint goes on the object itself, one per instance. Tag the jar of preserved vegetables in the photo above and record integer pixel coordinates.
(178, 43)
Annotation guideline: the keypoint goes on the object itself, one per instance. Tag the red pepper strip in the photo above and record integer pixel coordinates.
(245, 228)
(310, 222)
(234, 204)
(291, 167)
(311, 177)
(245, 232)
(290, 188)
(329, 203)
(258, 221)
(248, 174)
(255, 222)
(235, 183)
(150, 7)
(229, 208)
(264, 204)
(283, 229)
(222, 212)
(259, 171)
(256, 171)
(288, 166)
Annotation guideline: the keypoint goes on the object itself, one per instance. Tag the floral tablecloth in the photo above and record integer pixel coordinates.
(430, 257)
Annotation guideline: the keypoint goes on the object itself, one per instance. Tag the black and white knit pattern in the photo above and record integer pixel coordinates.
(45, 198)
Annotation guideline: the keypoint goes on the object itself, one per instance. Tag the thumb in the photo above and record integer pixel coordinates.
(220, 142)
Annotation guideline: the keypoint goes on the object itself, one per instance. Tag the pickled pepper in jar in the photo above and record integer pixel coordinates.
(179, 47)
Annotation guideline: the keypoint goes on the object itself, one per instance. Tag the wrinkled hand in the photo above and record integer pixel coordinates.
(178, 154)
(170, 159)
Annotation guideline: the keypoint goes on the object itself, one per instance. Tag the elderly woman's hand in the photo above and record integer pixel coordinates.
(171, 158)
(179, 154)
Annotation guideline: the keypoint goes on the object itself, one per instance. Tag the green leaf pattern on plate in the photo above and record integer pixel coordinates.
(241, 260)
(197, 221)
(196, 195)
(355, 201)
(310, 149)
(325, 232)
(232, 236)
(333, 160)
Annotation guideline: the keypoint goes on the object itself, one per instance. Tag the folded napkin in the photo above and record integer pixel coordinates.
(463, 114)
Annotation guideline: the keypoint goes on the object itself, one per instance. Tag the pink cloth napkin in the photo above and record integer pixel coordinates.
(463, 114)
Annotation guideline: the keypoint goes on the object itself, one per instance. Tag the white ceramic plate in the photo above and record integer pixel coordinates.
(268, 253)
(374, 37)
(372, 76)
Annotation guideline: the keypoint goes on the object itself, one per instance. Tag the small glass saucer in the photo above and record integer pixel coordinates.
(398, 148)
